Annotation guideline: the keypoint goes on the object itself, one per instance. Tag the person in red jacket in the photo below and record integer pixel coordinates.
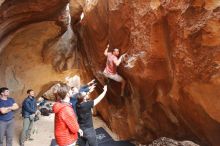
(66, 126)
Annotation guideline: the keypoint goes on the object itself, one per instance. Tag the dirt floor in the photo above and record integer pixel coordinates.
(43, 131)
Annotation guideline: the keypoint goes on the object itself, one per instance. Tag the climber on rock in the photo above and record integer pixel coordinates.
(111, 67)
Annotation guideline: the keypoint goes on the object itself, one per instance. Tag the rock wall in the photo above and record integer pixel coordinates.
(172, 68)
(37, 47)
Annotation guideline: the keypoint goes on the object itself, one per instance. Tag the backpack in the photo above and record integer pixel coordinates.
(45, 112)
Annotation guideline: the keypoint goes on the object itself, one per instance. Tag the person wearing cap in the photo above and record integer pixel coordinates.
(84, 112)
(111, 67)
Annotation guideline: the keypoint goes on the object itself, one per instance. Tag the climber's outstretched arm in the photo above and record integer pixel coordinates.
(118, 62)
(106, 50)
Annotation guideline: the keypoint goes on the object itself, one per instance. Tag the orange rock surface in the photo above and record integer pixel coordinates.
(172, 66)
(172, 69)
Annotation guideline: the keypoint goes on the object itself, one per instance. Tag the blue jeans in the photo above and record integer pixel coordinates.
(6, 129)
(89, 136)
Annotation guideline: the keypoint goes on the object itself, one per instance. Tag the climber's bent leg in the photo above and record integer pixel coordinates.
(123, 83)
(116, 77)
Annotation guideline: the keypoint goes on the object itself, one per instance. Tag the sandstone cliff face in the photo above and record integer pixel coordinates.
(172, 67)
(37, 48)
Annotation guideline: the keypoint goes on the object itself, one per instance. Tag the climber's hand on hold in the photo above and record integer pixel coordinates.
(106, 50)
(123, 56)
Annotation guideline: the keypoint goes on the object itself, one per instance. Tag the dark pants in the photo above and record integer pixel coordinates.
(6, 129)
(89, 137)
(26, 132)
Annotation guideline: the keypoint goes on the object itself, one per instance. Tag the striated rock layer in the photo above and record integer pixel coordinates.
(172, 68)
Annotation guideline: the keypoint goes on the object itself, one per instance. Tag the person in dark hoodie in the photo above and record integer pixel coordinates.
(29, 108)
(66, 126)
(83, 109)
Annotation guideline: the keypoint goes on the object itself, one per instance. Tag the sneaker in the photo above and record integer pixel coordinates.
(30, 139)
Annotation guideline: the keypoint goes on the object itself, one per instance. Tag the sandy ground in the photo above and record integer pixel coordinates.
(43, 131)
